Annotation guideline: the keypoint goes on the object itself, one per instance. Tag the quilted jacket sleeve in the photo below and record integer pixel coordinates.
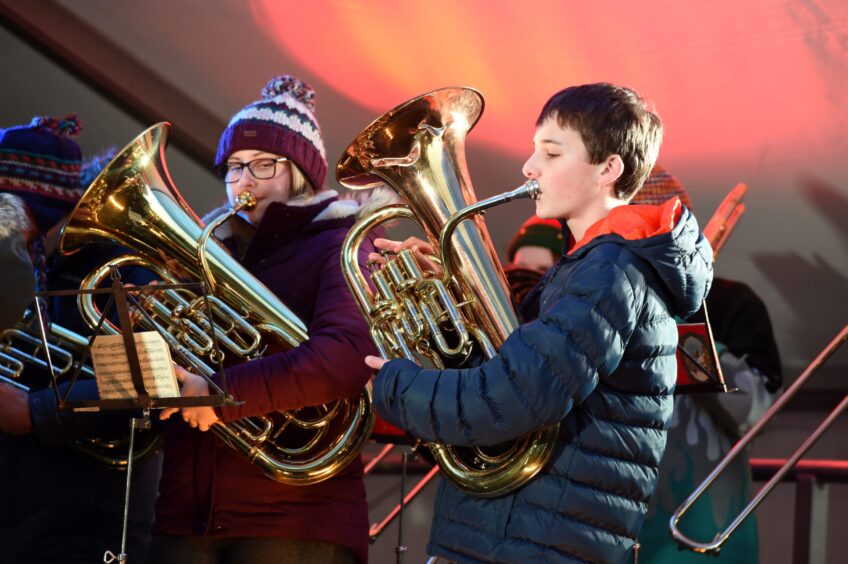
(540, 372)
(326, 367)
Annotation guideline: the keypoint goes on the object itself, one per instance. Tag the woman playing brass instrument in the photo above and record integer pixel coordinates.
(214, 505)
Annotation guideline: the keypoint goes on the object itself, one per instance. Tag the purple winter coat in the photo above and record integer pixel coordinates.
(208, 488)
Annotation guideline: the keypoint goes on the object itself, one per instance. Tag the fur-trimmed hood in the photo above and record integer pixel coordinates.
(13, 216)
(359, 205)
(15, 261)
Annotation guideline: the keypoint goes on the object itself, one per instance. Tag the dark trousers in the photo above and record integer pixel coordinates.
(59, 505)
(167, 549)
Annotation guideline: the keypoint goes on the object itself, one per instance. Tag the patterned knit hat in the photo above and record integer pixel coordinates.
(537, 232)
(40, 163)
(282, 122)
(660, 187)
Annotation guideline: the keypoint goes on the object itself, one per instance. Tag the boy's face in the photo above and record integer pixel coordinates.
(560, 163)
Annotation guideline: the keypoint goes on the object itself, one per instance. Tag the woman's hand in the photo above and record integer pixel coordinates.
(421, 250)
(193, 386)
(375, 362)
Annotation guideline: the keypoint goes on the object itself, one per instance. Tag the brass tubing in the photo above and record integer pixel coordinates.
(714, 546)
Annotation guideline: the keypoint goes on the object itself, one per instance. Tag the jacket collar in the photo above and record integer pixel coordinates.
(286, 219)
(315, 212)
(633, 222)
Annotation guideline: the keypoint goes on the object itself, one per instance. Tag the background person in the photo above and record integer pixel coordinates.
(705, 426)
(58, 504)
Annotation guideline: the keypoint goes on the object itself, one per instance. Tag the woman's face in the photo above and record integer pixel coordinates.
(277, 188)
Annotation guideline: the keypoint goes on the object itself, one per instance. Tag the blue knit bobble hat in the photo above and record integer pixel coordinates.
(40, 163)
(282, 122)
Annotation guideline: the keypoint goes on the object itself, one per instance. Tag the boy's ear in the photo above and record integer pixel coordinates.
(611, 170)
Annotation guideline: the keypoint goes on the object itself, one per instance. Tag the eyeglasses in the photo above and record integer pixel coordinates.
(260, 169)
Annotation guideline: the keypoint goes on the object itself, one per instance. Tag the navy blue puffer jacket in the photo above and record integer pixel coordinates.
(600, 359)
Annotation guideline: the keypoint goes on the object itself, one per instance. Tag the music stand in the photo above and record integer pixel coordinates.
(119, 299)
(699, 372)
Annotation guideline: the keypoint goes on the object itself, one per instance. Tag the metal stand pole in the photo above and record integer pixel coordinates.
(135, 423)
(400, 547)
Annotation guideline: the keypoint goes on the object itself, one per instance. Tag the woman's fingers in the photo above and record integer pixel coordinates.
(376, 258)
(191, 385)
(387, 245)
(201, 417)
(422, 245)
(395, 247)
(425, 262)
(375, 362)
(422, 250)
(180, 373)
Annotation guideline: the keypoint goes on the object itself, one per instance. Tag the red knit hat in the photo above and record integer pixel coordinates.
(660, 187)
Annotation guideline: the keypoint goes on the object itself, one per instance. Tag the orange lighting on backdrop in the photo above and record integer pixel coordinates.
(732, 80)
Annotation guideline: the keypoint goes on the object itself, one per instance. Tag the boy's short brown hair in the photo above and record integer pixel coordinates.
(611, 120)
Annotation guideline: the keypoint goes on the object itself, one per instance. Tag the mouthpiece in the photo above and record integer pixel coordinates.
(245, 201)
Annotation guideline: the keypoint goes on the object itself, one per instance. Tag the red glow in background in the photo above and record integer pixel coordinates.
(731, 80)
(753, 92)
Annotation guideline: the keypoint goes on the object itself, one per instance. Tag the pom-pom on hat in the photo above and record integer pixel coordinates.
(93, 165)
(40, 163)
(282, 122)
(660, 187)
(537, 232)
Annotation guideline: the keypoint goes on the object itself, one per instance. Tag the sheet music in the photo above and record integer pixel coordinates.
(112, 369)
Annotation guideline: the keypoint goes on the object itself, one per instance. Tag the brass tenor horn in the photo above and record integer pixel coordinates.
(134, 203)
(418, 148)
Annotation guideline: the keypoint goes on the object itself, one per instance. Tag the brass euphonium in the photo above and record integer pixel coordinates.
(134, 203)
(22, 348)
(418, 148)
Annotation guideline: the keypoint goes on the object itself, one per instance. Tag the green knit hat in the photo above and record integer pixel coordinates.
(537, 232)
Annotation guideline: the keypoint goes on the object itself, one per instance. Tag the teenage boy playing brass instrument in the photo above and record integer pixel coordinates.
(596, 352)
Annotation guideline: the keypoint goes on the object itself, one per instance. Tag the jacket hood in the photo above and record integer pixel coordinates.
(681, 257)
(236, 233)
(340, 208)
